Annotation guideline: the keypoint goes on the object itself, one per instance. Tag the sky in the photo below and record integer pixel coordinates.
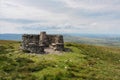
(60, 16)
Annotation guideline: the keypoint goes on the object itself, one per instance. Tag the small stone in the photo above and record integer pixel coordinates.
(65, 67)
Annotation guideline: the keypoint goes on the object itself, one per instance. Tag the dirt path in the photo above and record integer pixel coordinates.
(51, 51)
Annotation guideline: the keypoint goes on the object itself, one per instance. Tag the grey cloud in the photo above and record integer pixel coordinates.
(59, 12)
(23, 21)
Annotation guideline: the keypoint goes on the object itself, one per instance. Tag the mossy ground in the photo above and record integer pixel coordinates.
(84, 62)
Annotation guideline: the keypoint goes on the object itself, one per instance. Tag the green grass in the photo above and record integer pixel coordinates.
(84, 62)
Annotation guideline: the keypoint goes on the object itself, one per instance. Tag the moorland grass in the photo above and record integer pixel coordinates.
(83, 62)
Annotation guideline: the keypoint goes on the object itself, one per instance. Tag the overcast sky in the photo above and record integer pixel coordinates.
(60, 16)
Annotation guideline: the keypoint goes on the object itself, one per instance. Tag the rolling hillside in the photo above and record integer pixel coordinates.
(83, 62)
(99, 41)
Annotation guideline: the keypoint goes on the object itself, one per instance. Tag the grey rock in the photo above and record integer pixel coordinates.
(37, 43)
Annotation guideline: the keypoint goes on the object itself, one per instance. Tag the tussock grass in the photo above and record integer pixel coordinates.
(84, 62)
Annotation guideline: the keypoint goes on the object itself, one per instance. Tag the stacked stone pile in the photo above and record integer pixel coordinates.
(37, 43)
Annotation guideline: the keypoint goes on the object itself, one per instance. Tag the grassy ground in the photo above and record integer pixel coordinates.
(84, 62)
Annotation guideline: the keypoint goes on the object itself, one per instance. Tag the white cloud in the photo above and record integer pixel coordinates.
(6, 27)
(17, 11)
(81, 16)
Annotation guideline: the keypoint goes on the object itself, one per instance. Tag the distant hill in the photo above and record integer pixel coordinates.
(101, 40)
(17, 37)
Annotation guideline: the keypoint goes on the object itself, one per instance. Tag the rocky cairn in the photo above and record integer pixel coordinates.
(37, 43)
